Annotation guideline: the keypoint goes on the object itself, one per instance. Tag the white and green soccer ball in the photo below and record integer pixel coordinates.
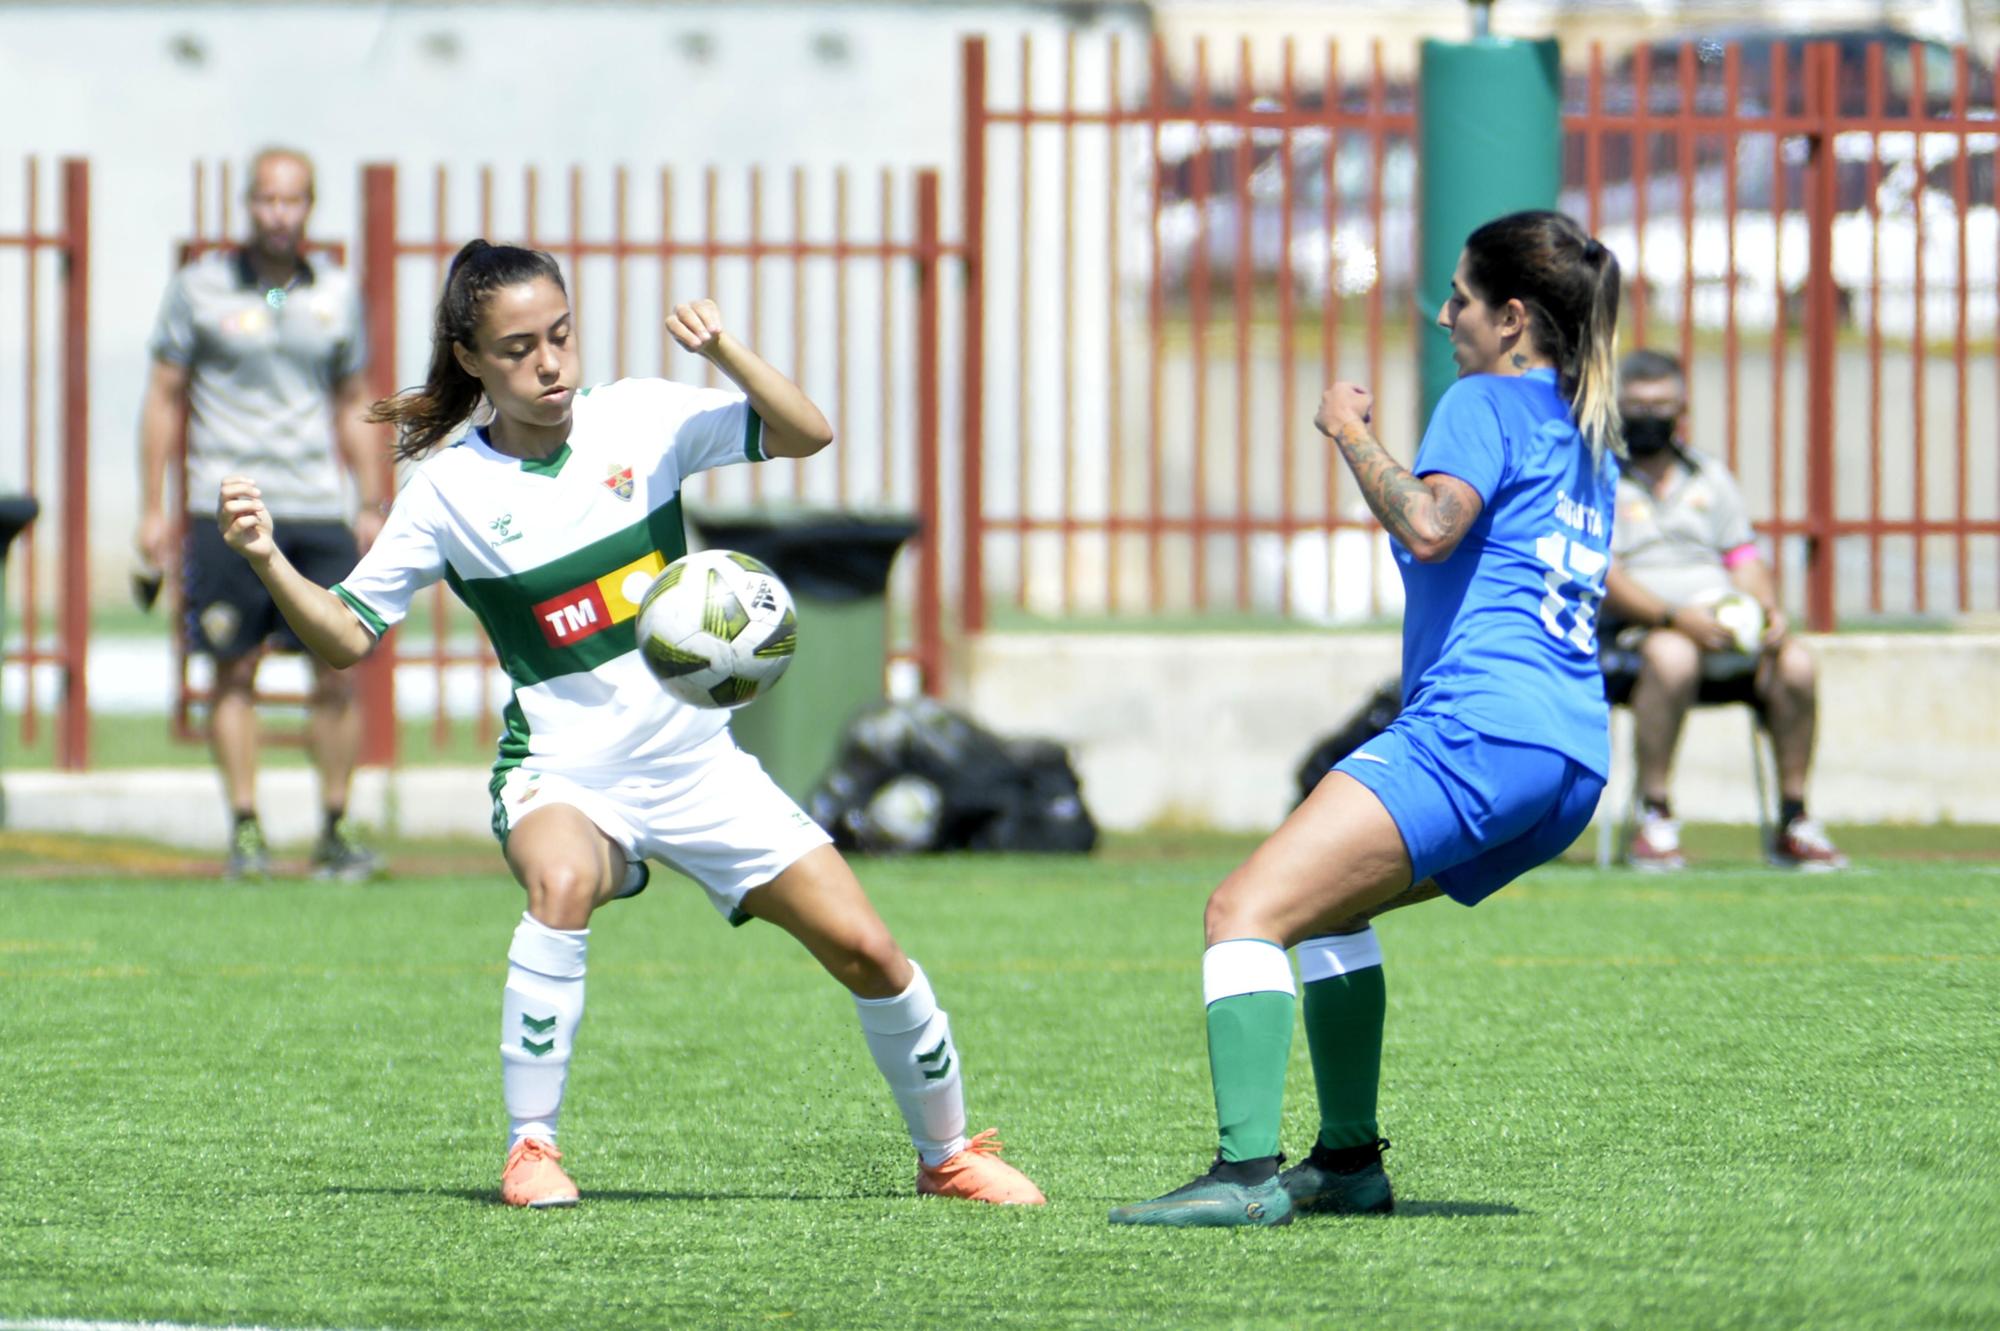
(717, 628)
(1743, 617)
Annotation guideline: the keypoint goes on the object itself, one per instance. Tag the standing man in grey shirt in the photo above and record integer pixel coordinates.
(259, 355)
(1680, 541)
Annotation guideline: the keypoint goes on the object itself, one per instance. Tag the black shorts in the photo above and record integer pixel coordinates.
(229, 613)
(1725, 676)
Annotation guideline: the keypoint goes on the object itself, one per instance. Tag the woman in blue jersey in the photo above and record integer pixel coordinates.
(1502, 533)
(560, 496)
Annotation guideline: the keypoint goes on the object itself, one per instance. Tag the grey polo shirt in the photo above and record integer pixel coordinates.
(1675, 544)
(262, 365)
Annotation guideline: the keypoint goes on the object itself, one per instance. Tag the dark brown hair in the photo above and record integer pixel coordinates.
(424, 416)
(1568, 283)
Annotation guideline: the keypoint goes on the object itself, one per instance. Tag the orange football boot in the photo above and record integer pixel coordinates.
(533, 1178)
(978, 1174)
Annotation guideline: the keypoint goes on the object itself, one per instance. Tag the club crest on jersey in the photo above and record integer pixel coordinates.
(587, 610)
(619, 482)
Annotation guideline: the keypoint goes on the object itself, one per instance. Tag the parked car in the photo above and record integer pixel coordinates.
(1765, 248)
(1357, 253)
(1756, 48)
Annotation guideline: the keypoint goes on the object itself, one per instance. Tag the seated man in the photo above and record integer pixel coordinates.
(1682, 540)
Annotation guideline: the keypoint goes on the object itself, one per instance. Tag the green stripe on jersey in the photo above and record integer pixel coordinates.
(372, 621)
(505, 604)
(513, 745)
(753, 436)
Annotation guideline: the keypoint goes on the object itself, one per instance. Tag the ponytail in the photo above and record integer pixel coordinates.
(1593, 388)
(1568, 282)
(424, 417)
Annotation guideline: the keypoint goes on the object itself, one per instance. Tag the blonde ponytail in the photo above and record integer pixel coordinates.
(1594, 401)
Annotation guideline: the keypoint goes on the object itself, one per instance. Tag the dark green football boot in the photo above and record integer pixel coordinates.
(1345, 1181)
(1219, 1199)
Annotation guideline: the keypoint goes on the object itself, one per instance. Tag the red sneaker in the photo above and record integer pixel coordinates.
(1656, 844)
(1804, 844)
(533, 1178)
(978, 1174)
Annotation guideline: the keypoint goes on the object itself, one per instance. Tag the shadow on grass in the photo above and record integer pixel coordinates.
(1407, 1210)
(597, 1196)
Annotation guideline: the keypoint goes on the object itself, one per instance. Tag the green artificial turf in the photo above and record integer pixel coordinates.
(1731, 1098)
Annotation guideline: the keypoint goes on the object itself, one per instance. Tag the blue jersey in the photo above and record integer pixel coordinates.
(1502, 634)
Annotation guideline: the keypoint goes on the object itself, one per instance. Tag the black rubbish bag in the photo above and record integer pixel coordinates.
(918, 776)
(1384, 705)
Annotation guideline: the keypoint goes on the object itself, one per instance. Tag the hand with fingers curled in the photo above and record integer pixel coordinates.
(1343, 404)
(697, 326)
(245, 522)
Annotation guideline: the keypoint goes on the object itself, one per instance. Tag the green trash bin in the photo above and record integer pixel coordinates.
(837, 567)
(16, 512)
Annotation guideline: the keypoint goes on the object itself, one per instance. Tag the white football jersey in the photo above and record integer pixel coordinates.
(553, 555)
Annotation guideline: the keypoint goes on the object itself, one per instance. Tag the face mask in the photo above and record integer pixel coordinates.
(1647, 435)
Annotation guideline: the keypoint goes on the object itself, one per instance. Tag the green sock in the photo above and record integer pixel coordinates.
(1249, 1042)
(1344, 1032)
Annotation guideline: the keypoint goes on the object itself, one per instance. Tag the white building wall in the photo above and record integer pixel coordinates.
(145, 90)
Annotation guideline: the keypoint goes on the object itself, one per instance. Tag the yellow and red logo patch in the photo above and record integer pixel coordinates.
(619, 482)
(583, 612)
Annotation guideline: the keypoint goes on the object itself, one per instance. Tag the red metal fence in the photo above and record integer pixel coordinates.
(1168, 284)
(1816, 238)
(49, 453)
(1164, 256)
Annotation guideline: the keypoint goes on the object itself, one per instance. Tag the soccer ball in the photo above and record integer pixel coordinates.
(717, 628)
(1744, 619)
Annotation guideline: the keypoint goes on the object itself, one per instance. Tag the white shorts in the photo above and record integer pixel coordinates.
(721, 821)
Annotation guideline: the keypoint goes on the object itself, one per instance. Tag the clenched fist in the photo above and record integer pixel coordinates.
(1343, 404)
(245, 522)
(697, 326)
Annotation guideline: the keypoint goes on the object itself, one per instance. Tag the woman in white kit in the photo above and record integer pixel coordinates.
(549, 518)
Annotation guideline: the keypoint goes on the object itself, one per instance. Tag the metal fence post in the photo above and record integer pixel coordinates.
(972, 456)
(929, 609)
(376, 676)
(73, 736)
(1822, 319)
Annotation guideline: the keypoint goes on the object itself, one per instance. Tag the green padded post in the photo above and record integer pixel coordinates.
(1489, 142)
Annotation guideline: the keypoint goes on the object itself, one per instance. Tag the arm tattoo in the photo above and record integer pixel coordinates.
(1452, 518)
(1404, 504)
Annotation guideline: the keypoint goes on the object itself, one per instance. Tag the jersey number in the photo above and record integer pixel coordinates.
(1574, 588)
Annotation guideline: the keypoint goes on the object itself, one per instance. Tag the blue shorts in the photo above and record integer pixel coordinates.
(1475, 812)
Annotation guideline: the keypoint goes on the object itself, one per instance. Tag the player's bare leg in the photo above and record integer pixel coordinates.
(1670, 672)
(333, 735)
(1787, 681)
(819, 902)
(568, 868)
(232, 738)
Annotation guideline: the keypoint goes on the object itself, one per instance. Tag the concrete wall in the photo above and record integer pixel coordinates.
(1207, 729)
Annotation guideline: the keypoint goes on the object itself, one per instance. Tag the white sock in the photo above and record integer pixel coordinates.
(910, 1037)
(1329, 955)
(539, 1014)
